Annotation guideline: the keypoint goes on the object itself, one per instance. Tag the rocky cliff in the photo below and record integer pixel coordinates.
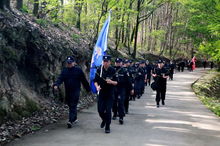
(32, 54)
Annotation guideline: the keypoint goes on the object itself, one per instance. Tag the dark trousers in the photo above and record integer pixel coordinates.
(171, 76)
(126, 101)
(149, 79)
(105, 102)
(161, 93)
(72, 100)
(118, 105)
(138, 87)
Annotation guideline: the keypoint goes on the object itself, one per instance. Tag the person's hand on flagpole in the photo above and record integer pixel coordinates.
(98, 88)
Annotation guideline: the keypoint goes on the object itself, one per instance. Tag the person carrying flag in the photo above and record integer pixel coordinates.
(105, 81)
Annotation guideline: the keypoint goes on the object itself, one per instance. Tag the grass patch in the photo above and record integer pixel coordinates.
(208, 90)
(76, 37)
(42, 22)
(35, 127)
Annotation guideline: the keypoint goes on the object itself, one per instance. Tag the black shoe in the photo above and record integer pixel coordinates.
(121, 121)
(114, 118)
(107, 129)
(163, 103)
(102, 124)
(126, 112)
(158, 105)
(69, 125)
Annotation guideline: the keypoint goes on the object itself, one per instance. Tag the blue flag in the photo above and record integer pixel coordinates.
(98, 53)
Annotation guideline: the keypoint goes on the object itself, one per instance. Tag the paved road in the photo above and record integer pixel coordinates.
(183, 121)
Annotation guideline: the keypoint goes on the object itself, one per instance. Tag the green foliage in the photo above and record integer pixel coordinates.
(159, 34)
(193, 22)
(204, 25)
(25, 9)
(31, 106)
(35, 127)
(75, 37)
(42, 22)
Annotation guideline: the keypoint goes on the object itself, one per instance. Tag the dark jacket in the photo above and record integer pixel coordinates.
(72, 78)
(110, 74)
(123, 78)
(161, 82)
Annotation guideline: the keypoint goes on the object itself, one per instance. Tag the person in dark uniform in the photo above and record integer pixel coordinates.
(132, 71)
(149, 72)
(140, 80)
(160, 75)
(144, 74)
(211, 64)
(179, 66)
(124, 84)
(105, 82)
(191, 66)
(183, 64)
(171, 69)
(204, 64)
(72, 77)
(128, 86)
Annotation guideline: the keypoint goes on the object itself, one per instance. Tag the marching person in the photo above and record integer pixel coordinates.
(124, 84)
(171, 68)
(128, 84)
(211, 64)
(160, 75)
(105, 82)
(72, 77)
(140, 79)
(149, 72)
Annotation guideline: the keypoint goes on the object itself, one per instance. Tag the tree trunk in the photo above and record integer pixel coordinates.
(7, 4)
(117, 38)
(78, 9)
(135, 38)
(99, 20)
(2, 4)
(19, 4)
(36, 7)
(150, 31)
(136, 28)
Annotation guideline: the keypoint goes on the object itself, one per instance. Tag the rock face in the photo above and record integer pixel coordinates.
(31, 57)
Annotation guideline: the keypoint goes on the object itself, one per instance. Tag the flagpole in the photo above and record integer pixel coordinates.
(99, 50)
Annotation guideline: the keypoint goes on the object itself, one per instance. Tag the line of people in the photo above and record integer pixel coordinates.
(116, 86)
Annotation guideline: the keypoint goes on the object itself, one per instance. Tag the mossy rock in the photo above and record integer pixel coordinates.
(9, 53)
(31, 106)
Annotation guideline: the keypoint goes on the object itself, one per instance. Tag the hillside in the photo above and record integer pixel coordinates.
(32, 55)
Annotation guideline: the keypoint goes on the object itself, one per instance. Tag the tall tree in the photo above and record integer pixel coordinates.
(5, 5)
(36, 7)
(19, 4)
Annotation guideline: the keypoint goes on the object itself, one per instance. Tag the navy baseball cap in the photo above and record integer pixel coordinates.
(126, 61)
(130, 61)
(70, 59)
(106, 58)
(118, 60)
(160, 61)
(142, 62)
